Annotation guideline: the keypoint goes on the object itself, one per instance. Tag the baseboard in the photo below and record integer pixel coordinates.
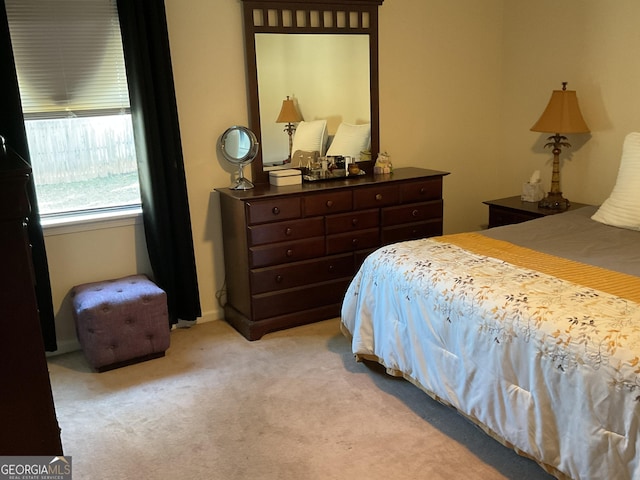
(65, 346)
(211, 316)
(68, 346)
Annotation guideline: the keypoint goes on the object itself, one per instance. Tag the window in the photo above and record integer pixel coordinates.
(73, 86)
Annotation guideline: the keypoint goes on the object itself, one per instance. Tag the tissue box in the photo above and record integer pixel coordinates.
(280, 178)
(532, 192)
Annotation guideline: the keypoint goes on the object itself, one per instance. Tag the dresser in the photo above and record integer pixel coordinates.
(291, 252)
(27, 414)
(506, 211)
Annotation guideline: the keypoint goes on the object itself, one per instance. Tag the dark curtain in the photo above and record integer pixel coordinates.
(12, 128)
(160, 164)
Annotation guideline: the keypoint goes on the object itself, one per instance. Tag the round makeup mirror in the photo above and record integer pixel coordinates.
(239, 146)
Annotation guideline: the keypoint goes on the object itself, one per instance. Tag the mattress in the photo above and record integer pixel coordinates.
(531, 330)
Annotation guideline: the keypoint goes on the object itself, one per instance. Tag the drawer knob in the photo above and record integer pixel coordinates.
(415, 213)
(329, 203)
(422, 190)
(288, 231)
(275, 210)
(289, 252)
(331, 268)
(378, 196)
(354, 242)
(354, 221)
(278, 278)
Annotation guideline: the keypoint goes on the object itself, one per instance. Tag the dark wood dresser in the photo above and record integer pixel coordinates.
(27, 413)
(290, 252)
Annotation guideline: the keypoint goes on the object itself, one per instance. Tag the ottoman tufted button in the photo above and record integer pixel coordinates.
(121, 322)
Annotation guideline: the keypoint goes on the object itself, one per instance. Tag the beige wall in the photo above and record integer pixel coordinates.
(106, 250)
(440, 93)
(461, 83)
(592, 44)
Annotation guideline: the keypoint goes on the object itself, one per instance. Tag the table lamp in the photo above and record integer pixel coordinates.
(289, 114)
(562, 115)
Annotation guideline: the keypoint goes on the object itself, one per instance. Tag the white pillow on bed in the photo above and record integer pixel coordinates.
(310, 136)
(622, 208)
(350, 140)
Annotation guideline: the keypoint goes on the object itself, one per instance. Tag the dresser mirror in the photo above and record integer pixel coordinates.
(327, 77)
(301, 38)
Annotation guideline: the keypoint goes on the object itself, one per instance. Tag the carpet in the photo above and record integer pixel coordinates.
(293, 405)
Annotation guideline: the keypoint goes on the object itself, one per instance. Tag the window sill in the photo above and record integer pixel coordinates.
(86, 221)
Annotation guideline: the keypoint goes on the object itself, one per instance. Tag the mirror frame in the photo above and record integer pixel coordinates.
(302, 16)
(253, 150)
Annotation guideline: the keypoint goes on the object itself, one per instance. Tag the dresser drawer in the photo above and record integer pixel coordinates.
(351, 241)
(421, 191)
(283, 231)
(346, 222)
(273, 304)
(360, 256)
(416, 212)
(272, 210)
(411, 231)
(290, 253)
(378, 196)
(286, 252)
(327, 203)
(296, 274)
(499, 216)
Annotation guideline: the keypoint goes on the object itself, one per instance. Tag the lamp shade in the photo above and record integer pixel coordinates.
(562, 115)
(289, 113)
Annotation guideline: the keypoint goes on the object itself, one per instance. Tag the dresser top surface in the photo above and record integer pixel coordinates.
(517, 204)
(267, 190)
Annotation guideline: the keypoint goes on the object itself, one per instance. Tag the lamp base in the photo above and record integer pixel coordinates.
(554, 201)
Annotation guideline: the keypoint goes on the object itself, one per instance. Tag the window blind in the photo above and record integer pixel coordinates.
(68, 56)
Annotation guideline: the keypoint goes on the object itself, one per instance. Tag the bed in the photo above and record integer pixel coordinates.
(532, 331)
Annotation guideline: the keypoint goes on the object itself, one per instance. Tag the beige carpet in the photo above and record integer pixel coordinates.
(294, 405)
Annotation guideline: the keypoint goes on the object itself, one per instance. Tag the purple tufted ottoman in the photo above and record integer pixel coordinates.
(121, 321)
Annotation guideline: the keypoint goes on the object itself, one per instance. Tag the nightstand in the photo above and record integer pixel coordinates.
(506, 211)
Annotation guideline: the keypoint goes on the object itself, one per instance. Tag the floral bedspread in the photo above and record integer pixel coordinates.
(550, 365)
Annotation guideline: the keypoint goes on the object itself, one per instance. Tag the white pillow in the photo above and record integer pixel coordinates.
(622, 208)
(310, 136)
(350, 140)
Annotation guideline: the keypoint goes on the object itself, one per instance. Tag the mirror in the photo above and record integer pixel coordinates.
(293, 24)
(327, 76)
(239, 146)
